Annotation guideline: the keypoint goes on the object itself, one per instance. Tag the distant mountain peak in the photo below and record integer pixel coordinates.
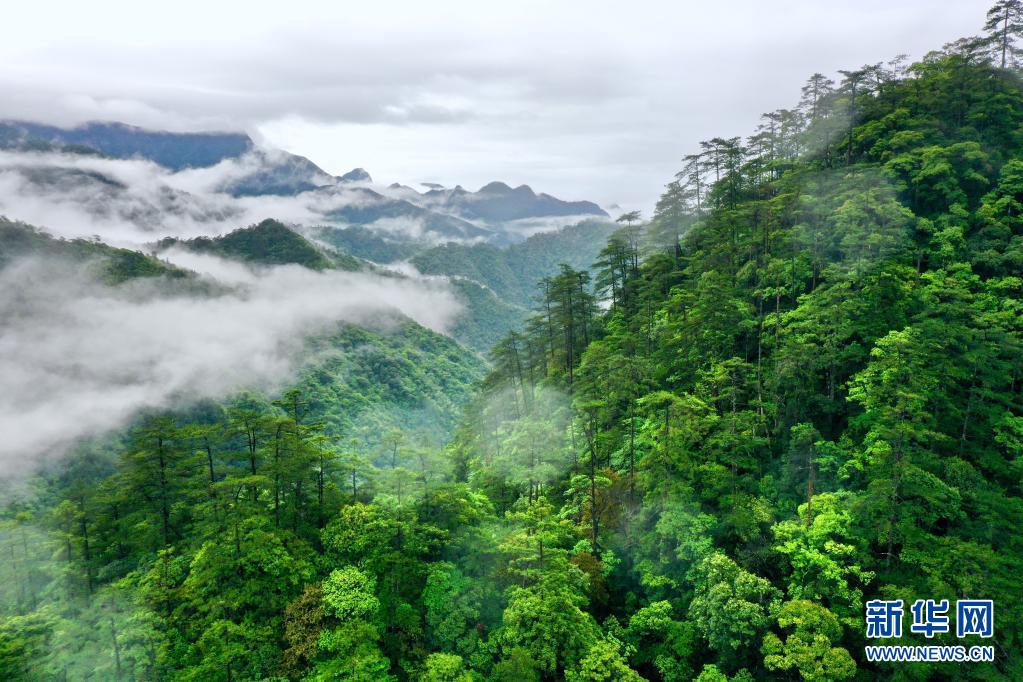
(251, 170)
(497, 202)
(502, 189)
(356, 175)
(174, 151)
(495, 187)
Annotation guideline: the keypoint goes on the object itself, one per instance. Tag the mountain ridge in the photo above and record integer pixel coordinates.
(274, 172)
(175, 151)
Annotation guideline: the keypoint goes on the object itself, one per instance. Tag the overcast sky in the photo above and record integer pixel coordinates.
(585, 100)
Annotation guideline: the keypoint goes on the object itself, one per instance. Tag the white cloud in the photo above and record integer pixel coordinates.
(82, 358)
(587, 100)
(132, 202)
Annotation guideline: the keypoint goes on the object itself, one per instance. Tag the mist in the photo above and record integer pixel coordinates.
(133, 202)
(79, 359)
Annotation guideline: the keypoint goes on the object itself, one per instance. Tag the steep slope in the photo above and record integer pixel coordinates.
(393, 375)
(277, 173)
(488, 317)
(808, 402)
(356, 175)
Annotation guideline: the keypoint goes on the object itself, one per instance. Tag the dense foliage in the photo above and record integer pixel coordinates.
(805, 392)
(487, 318)
(364, 242)
(796, 389)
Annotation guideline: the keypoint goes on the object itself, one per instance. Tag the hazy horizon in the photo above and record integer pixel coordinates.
(580, 101)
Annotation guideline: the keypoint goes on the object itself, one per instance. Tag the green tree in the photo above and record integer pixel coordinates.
(603, 663)
(731, 606)
(350, 650)
(1004, 25)
(809, 646)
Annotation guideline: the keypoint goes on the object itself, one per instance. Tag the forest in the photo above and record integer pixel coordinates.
(794, 389)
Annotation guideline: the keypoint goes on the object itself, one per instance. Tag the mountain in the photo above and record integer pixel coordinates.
(497, 283)
(356, 175)
(496, 202)
(385, 373)
(98, 196)
(373, 245)
(175, 151)
(273, 172)
(113, 265)
(486, 316)
(512, 271)
(201, 168)
(265, 172)
(267, 243)
(399, 218)
(790, 401)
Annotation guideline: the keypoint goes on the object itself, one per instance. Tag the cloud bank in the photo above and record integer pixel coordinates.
(78, 359)
(588, 99)
(130, 202)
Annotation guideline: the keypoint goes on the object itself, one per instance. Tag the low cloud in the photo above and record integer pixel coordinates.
(527, 227)
(78, 359)
(132, 202)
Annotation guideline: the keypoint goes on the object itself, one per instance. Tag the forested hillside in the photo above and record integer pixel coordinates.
(268, 243)
(512, 271)
(806, 396)
(795, 389)
(485, 317)
(112, 264)
(497, 283)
